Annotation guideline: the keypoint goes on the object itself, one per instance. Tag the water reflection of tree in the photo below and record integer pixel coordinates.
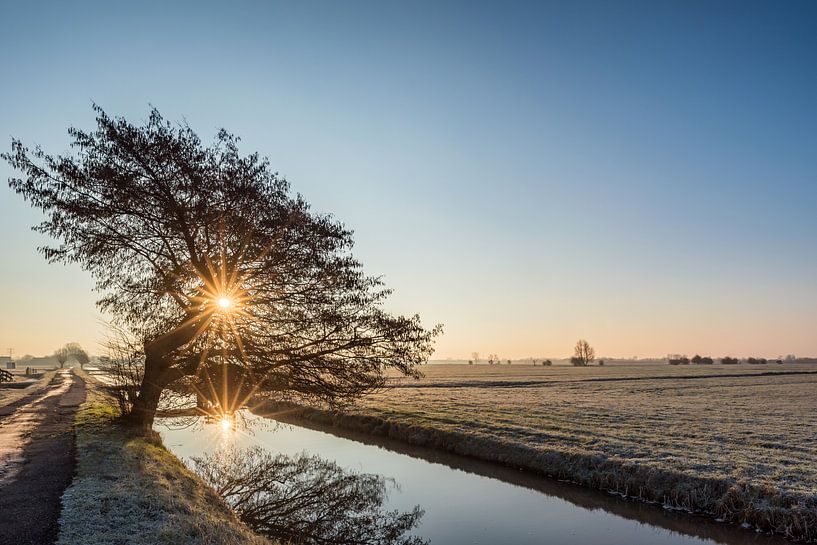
(304, 499)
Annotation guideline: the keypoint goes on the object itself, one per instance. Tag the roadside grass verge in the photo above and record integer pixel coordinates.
(129, 489)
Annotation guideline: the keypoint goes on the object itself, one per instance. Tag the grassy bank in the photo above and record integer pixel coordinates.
(738, 446)
(131, 490)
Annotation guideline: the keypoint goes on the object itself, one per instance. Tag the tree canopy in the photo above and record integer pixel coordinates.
(208, 258)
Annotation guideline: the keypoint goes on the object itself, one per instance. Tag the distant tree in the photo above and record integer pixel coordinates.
(82, 359)
(701, 360)
(509, 362)
(727, 360)
(78, 353)
(475, 357)
(547, 363)
(62, 355)
(583, 353)
(601, 362)
(470, 362)
(791, 358)
(208, 259)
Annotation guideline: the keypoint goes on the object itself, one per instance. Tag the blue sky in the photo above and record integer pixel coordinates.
(642, 174)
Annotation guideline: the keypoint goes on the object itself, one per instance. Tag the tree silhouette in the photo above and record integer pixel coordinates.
(208, 259)
(583, 353)
(76, 351)
(62, 355)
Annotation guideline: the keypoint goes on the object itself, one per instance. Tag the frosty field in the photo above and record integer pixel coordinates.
(738, 442)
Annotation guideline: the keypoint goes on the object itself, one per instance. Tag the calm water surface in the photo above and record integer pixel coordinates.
(467, 501)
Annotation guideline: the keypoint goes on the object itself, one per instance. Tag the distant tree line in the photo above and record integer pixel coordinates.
(71, 351)
(726, 360)
(584, 355)
(493, 359)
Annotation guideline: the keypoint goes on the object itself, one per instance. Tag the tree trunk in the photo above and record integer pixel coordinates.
(144, 407)
(158, 374)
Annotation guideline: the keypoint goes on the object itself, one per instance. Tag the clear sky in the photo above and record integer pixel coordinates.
(641, 174)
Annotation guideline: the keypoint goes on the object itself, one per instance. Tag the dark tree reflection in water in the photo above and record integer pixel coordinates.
(304, 499)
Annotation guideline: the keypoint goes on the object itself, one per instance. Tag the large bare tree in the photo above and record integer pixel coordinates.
(62, 355)
(207, 257)
(583, 353)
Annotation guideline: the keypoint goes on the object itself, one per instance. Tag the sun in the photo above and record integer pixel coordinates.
(225, 303)
(226, 423)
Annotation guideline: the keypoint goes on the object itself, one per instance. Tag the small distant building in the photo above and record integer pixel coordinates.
(7, 363)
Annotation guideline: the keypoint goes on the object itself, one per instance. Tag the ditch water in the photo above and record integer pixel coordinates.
(467, 501)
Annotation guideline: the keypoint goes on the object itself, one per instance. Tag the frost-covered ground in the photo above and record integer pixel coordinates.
(10, 395)
(738, 441)
(760, 428)
(129, 490)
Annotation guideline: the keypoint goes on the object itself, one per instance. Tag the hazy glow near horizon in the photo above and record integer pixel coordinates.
(642, 176)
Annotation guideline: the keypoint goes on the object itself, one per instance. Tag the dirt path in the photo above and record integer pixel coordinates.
(37, 460)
